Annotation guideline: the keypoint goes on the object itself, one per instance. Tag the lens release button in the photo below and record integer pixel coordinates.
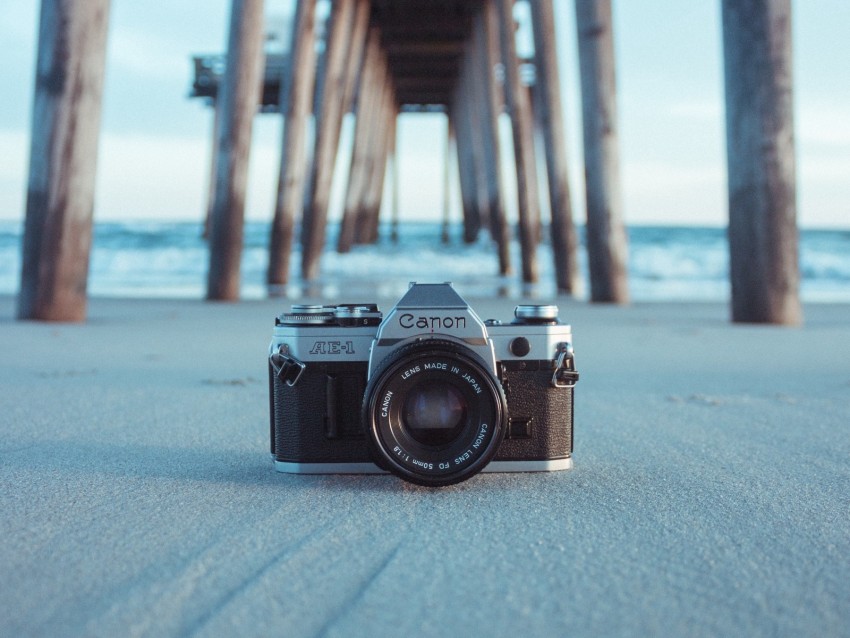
(520, 347)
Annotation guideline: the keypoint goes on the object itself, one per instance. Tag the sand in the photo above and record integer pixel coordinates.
(710, 495)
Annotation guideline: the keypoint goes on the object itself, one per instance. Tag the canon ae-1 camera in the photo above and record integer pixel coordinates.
(430, 392)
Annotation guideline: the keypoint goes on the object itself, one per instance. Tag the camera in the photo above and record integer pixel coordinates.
(430, 392)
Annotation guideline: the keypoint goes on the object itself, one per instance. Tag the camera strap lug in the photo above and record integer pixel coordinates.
(565, 375)
(287, 368)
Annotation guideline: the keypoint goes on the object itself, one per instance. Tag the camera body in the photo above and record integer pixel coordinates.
(430, 392)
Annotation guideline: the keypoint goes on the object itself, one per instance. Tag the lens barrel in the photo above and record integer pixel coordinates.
(434, 414)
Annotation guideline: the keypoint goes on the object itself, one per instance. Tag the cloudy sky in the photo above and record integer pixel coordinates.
(155, 142)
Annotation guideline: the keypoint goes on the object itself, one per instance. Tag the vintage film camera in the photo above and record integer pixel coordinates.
(430, 392)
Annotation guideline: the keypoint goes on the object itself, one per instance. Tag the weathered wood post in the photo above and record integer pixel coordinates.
(448, 154)
(547, 86)
(238, 97)
(464, 121)
(486, 35)
(516, 99)
(395, 188)
(467, 127)
(349, 22)
(475, 100)
(368, 228)
(63, 157)
(607, 247)
(366, 128)
(205, 233)
(360, 221)
(296, 102)
(763, 232)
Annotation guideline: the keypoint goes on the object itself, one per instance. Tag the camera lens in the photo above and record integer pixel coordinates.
(434, 413)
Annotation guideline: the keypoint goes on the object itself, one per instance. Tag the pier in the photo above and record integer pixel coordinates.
(383, 58)
(377, 59)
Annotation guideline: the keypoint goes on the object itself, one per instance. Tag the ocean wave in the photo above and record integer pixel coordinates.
(170, 259)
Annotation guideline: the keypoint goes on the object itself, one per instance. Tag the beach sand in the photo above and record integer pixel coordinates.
(710, 494)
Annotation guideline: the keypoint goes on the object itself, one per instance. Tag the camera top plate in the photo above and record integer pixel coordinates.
(345, 315)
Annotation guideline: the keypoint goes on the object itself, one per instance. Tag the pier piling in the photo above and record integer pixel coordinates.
(486, 29)
(763, 233)
(522, 128)
(548, 93)
(367, 227)
(366, 130)
(607, 250)
(348, 23)
(63, 157)
(463, 114)
(238, 101)
(296, 102)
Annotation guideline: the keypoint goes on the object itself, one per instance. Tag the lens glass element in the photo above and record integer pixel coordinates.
(434, 413)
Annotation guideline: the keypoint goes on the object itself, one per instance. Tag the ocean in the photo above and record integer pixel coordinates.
(170, 259)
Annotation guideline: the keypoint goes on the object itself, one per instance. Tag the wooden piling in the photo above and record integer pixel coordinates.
(373, 132)
(395, 187)
(548, 103)
(238, 100)
(349, 21)
(763, 235)
(366, 128)
(606, 236)
(516, 100)
(63, 157)
(487, 54)
(475, 100)
(462, 113)
(467, 125)
(385, 146)
(296, 102)
(447, 155)
(205, 233)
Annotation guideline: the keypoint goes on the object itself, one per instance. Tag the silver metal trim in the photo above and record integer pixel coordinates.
(307, 308)
(528, 311)
(308, 319)
(327, 468)
(370, 468)
(551, 465)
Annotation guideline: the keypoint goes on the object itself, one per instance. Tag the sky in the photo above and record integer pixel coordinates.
(155, 142)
